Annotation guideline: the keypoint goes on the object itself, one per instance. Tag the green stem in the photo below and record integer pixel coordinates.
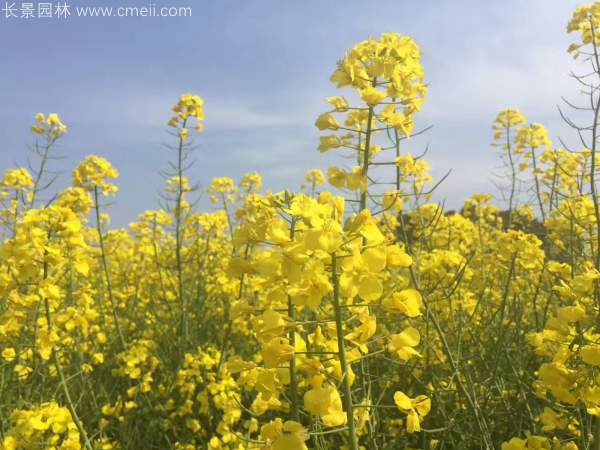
(16, 215)
(513, 177)
(61, 375)
(292, 338)
(106, 270)
(366, 156)
(40, 172)
(345, 367)
(179, 242)
(228, 319)
(593, 169)
(596, 438)
(538, 192)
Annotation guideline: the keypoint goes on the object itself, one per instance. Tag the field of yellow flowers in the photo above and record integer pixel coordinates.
(358, 315)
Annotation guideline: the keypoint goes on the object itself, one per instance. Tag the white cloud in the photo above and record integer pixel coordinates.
(237, 114)
(478, 88)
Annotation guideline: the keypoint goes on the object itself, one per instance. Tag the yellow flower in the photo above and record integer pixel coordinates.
(16, 179)
(403, 343)
(415, 409)
(552, 420)
(22, 371)
(281, 435)
(406, 301)
(276, 352)
(51, 126)
(188, 107)
(327, 122)
(372, 96)
(332, 141)
(515, 444)
(339, 103)
(221, 188)
(590, 354)
(270, 325)
(41, 426)
(9, 354)
(507, 118)
(92, 173)
(325, 402)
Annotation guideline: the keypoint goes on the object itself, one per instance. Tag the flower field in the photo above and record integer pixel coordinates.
(353, 312)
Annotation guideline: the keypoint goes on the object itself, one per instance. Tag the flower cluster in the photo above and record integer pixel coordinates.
(92, 174)
(188, 109)
(50, 126)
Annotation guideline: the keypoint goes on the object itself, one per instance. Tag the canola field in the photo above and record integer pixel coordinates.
(350, 313)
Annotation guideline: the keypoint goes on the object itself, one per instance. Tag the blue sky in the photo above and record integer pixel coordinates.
(263, 67)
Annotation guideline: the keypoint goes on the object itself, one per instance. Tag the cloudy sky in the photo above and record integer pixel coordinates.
(263, 68)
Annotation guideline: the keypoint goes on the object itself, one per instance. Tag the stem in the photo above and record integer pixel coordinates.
(229, 222)
(596, 438)
(353, 441)
(430, 314)
(106, 270)
(40, 172)
(65, 389)
(228, 319)
(365, 165)
(16, 215)
(178, 240)
(593, 183)
(554, 187)
(513, 177)
(292, 338)
(537, 185)
(157, 260)
(61, 374)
